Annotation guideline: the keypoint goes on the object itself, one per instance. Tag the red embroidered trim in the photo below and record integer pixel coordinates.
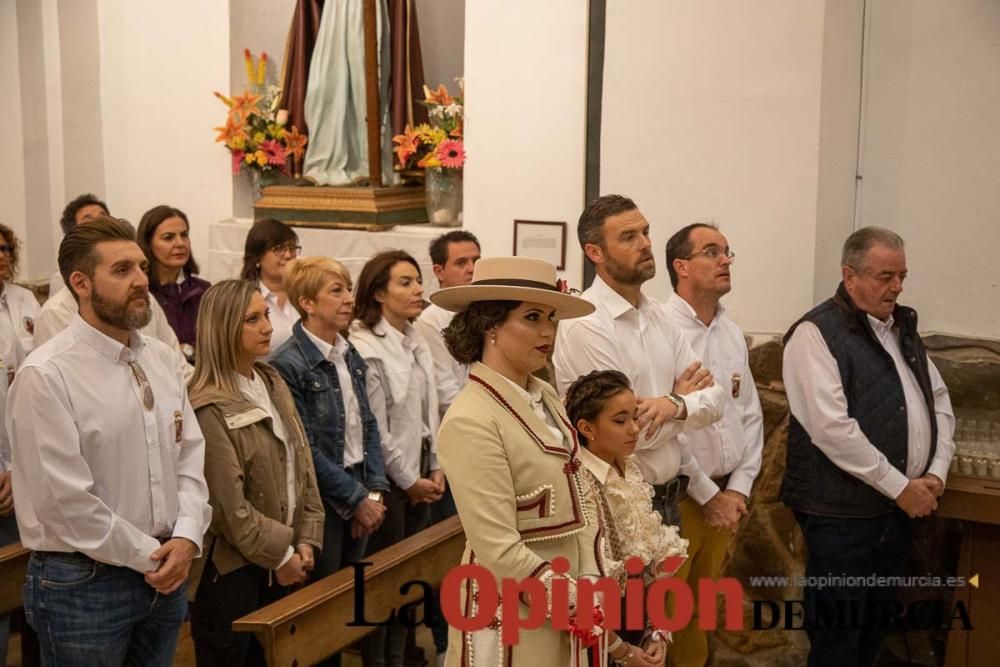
(542, 503)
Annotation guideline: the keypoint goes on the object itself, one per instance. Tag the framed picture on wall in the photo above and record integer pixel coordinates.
(542, 240)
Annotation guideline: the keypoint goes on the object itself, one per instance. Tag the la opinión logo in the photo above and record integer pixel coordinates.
(511, 596)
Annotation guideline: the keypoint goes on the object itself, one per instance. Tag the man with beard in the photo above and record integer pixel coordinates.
(107, 467)
(631, 333)
(721, 461)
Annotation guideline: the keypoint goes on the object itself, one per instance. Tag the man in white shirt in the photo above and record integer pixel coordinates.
(453, 256)
(107, 461)
(869, 442)
(85, 207)
(630, 332)
(721, 461)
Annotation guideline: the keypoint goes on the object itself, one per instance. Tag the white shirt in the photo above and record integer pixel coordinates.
(816, 398)
(534, 399)
(56, 283)
(733, 445)
(19, 308)
(255, 391)
(451, 375)
(641, 343)
(401, 395)
(353, 431)
(283, 318)
(4, 440)
(93, 470)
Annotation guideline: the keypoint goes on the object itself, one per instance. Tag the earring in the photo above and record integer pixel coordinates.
(493, 339)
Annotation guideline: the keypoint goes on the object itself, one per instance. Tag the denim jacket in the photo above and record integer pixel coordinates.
(315, 387)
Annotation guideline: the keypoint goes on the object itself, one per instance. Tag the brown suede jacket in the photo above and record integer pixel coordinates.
(245, 470)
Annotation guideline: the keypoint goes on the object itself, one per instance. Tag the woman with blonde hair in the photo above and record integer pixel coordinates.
(267, 518)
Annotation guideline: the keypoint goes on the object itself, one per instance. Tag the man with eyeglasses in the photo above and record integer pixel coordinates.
(721, 461)
(630, 332)
(107, 461)
(869, 443)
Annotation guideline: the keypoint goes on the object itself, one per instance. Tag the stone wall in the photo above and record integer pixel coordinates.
(770, 544)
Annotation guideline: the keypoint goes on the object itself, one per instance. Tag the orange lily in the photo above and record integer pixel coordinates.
(244, 105)
(233, 129)
(295, 142)
(439, 96)
(406, 144)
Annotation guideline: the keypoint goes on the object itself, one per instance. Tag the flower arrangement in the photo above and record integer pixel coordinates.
(439, 143)
(255, 131)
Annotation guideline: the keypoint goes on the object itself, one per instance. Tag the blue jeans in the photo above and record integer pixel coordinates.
(94, 615)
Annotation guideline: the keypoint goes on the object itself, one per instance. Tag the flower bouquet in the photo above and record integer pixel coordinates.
(255, 131)
(437, 148)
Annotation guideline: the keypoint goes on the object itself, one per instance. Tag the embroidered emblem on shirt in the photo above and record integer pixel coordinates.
(178, 426)
(736, 385)
(29, 325)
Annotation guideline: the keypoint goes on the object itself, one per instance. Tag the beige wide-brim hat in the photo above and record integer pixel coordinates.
(513, 279)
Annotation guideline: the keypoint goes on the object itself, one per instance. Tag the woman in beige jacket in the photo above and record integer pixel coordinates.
(267, 516)
(510, 453)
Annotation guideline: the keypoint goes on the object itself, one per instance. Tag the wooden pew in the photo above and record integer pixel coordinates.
(13, 569)
(311, 623)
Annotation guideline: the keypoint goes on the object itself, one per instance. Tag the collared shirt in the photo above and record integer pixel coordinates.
(283, 318)
(401, 395)
(18, 310)
(95, 471)
(534, 399)
(255, 391)
(451, 375)
(816, 398)
(642, 344)
(59, 310)
(353, 431)
(733, 445)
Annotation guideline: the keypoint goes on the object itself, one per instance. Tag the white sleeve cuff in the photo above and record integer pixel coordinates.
(288, 557)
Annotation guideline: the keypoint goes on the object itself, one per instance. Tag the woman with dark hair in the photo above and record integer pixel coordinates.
(18, 306)
(164, 236)
(402, 393)
(510, 454)
(269, 246)
(267, 516)
(603, 409)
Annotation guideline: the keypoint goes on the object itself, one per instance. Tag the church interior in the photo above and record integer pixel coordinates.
(786, 125)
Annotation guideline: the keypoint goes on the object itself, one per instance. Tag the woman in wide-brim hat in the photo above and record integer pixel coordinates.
(509, 451)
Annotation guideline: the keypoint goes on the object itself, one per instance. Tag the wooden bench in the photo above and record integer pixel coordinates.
(13, 569)
(312, 623)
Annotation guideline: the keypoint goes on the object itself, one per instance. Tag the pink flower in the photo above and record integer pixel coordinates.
(237, 161)
(451, 153)
(275, 153)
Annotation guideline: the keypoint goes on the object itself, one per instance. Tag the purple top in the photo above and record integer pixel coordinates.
(180, 304)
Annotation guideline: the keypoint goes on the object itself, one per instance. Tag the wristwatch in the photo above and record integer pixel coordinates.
(679, 404)
(375, 495)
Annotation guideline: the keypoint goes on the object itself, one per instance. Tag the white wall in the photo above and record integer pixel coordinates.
(158, 110)
(712, 112)
(12, 176)
(931, 156)
(525, 85)
(442, 37)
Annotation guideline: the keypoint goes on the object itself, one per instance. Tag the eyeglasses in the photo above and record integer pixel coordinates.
(286, 248)
(6, 248)
(148, 400)
(713, 253)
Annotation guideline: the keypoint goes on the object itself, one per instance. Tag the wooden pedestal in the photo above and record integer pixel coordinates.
(371, 209)
(976, 502)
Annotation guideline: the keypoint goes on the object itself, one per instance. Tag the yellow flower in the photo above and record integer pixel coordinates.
(276, 131)
(261, 158)
(430, 160)
(249, 158)
(259, 138)
(237, 143)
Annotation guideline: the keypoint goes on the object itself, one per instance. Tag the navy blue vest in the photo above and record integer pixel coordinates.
(874, 392)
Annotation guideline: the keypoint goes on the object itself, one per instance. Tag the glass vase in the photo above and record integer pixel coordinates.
(260, 180)
(443, 191)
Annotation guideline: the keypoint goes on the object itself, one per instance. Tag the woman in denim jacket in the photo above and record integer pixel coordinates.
(327, 378)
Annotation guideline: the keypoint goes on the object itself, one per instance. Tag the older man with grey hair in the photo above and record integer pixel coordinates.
(869, 444)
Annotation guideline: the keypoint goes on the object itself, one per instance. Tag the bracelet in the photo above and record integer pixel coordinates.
(615, 644)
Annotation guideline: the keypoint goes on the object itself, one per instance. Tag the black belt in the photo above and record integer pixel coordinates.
(674, 488)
